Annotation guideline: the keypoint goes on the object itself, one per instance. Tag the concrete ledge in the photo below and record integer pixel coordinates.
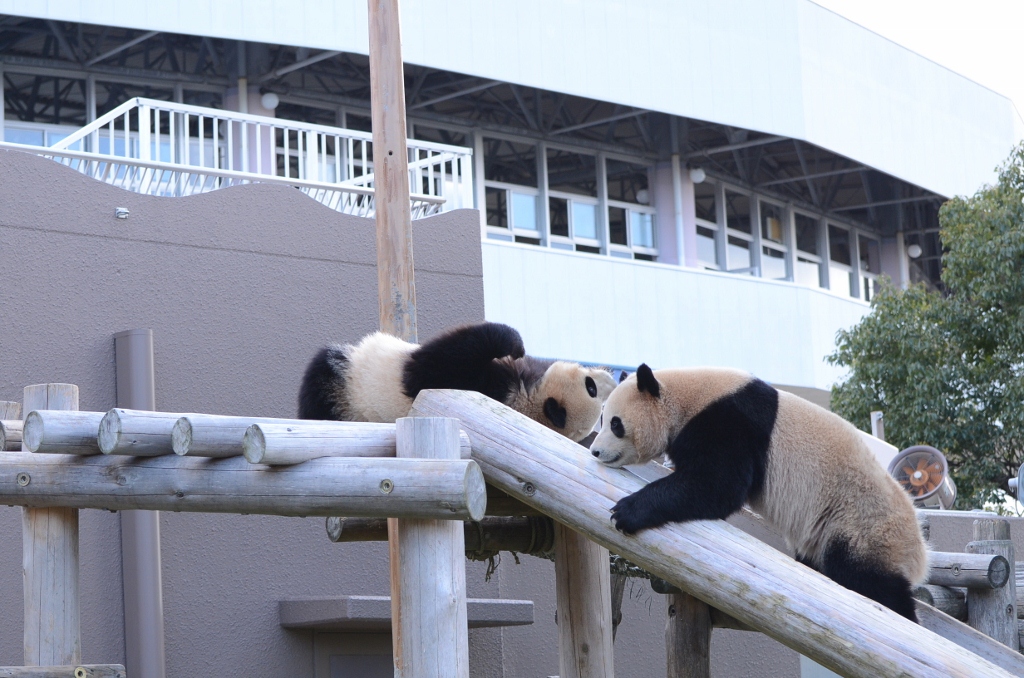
(362, 614)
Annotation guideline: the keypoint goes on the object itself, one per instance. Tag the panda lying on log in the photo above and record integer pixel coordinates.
(734, 439)
(378, 378)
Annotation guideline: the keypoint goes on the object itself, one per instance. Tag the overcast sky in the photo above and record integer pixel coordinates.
(980, 39)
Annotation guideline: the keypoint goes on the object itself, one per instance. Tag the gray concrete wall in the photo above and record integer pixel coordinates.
(240, 287)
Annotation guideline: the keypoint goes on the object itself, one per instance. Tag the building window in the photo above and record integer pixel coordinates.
(705, 195)
(870, 266)
(808, 259)
(740, 240)
(572, 201)
(840, 271)
(773, 241)
(630, 217)
(510, 188)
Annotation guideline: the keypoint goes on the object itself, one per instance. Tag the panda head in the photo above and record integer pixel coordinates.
(569, 396)
(637, 422)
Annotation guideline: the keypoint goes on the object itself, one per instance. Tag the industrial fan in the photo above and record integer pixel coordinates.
(922, 471)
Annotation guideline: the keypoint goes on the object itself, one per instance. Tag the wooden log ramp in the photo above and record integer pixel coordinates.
(82, 671)
(713, 561)
(370, 487)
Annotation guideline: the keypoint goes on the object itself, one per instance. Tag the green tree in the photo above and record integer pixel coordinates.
(948, 369)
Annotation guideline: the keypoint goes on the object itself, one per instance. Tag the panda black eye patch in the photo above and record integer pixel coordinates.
(617, 428)
(591, 386)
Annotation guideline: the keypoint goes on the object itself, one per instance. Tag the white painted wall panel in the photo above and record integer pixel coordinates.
(785, 67)
(618, 312)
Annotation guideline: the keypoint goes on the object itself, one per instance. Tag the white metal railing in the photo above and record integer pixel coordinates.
(171, 149)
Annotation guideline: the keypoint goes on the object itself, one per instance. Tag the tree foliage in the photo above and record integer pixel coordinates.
(948, 369)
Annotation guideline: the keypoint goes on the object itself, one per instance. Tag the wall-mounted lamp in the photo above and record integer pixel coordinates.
(121, 212)
(914, 251)
(270, 101)
(698, 175)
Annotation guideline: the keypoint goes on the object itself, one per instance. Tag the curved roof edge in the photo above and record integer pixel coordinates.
(790, 67)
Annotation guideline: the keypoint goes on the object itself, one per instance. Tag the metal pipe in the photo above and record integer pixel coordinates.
(140, 530)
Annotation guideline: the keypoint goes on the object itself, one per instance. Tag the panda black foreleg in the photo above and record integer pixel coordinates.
(890, 589)
(674, 498)
(463, 358)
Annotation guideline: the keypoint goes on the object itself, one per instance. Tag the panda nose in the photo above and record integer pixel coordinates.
(596, 453)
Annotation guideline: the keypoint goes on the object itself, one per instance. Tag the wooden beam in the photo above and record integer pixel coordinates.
(284, 444)
(533, 535)
(972, 640)
(56, 432)
(9, 409)
(215, 436)
(53, 634)
(421, 488)
(970, 570)
(429, 623)
(81, 671)
(583, 603)
(137, 433)
(711, 560)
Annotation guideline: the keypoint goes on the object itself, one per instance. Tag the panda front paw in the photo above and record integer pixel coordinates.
(631, 514)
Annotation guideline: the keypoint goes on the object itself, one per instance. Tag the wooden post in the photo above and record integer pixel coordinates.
(994, 611)
(584, 604)
(688, 637)
(50, 561)
(430, 635)
(396, 286)
(10, 434)
(10, 409)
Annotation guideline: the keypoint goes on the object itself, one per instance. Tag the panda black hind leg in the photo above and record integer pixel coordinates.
(465, 358)
(720, 458)
(857, 574)
(323, 379)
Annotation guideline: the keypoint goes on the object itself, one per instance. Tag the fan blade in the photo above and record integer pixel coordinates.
(922, 464)
(909, 471)
(931, 486)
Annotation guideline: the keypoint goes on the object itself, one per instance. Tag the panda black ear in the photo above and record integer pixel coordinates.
(623, 375)
(555, 412)
(645, 381)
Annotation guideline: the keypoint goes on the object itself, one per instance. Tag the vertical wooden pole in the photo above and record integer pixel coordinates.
(688, 637)
(431, 637)
(583, 599)
(9, 410)
(994, 611)
(395, 283)
(50, 560)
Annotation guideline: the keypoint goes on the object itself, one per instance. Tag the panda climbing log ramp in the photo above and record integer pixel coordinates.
(712, 560)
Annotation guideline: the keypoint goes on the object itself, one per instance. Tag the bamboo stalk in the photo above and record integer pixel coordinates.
(712, 560)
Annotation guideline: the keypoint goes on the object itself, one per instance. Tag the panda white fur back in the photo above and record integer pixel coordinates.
(734, 439)
(378, 378)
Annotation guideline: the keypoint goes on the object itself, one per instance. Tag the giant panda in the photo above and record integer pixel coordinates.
(378, 378)
(734, 439)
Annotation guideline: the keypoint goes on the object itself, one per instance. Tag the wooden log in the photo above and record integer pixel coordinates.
(215, 436)
(1019, 567)
(56, 432)
(719, 619)
(52, 630)
(951, 601)
(970, 639)
(711, 560)
(10, 434)
(443, 489)
(10, 410)
(968, 570)
(688, 637)
(583, 602)
(284, 444)
(501, 504)
(429, 622)
(82, 671)
(994, 611)
(530, 535)
(137, 433)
